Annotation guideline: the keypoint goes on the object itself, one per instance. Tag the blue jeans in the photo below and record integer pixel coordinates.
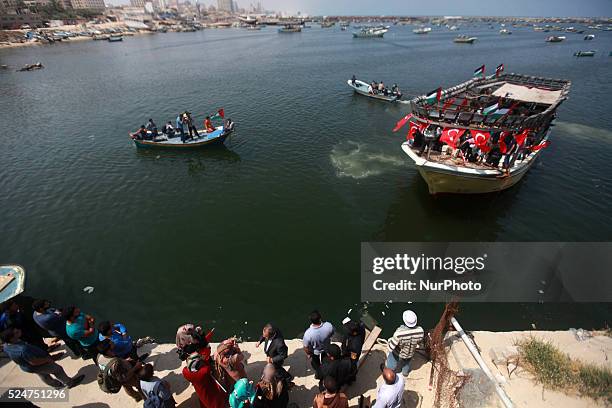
(398, 364)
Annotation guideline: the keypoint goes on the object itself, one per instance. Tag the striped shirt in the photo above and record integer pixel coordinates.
(405, 341)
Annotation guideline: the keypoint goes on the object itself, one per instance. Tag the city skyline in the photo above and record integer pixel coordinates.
(527, 8)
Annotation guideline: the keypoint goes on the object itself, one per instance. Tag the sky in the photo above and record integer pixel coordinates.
(546, 8)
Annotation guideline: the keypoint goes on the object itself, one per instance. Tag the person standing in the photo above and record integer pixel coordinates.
(316, 340)
(13, 316)
(404, 342)
(32, 359)
(51, 320)
(229, 363)
(179, 126)
(158, 392)
(331, 397)
(272, 389)
(198, 371)
(81, 327)
(352, 343)
(336, 367)
(276, 350)
(390, 393)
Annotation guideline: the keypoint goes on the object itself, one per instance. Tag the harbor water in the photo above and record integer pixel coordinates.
(270, 227)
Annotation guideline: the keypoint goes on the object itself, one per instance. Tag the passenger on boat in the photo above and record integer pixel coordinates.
(208, 125)
(141, 134)
(193, 131)
(381, 87)
(396, 91)
(370, 90)
(168, 130)
(179, 126)
(354, 80)
(152, 127)
(374, 86)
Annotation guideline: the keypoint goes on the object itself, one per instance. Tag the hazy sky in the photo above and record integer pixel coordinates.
(437, 7)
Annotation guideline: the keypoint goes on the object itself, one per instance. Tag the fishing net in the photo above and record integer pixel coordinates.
(445, 382)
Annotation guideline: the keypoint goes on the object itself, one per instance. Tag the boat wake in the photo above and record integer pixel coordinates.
(577, 129)
(358, 160)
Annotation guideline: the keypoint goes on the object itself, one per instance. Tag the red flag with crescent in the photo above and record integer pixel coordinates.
(451, 136)
(413, 128)
(402, 122)
(521, 137)
(542, 145)
(480, 138)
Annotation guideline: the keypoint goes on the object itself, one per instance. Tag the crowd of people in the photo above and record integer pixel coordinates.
(497, 145)
(218, 377)
(184, 127)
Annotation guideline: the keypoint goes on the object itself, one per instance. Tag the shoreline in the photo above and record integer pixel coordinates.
(519, 386)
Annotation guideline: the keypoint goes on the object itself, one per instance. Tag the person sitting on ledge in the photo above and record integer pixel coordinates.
(32, 359)
(123, 345)
(81, 327)
(51, 320)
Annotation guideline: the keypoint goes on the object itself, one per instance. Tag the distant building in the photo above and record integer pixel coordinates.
(137, 3)
(88, 4)
(225, 5)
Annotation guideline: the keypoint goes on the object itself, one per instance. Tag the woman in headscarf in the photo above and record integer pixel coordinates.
(190, 338)
(198, 371)
(229, 363)
(271, 390)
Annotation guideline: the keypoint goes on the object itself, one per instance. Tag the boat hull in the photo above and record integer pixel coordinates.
(442, 178)
(16, 285)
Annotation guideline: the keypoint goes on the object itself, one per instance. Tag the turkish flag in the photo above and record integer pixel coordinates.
(451, 136)
(542, 145)
(480, 138)
(413, 128)
(402, 122)
(521, 137)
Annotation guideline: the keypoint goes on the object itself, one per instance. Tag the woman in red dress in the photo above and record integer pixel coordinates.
(199, 373)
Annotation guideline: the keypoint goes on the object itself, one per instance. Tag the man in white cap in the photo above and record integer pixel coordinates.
(404, 342)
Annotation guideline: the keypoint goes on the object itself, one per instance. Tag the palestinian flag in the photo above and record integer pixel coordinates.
(490, 109)
(499, 69)
(479, 71)
(220, 114)
(434, 96)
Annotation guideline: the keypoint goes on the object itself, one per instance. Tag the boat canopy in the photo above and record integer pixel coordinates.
(525, 93)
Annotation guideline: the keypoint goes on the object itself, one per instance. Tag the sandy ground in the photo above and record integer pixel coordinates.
(522, 391)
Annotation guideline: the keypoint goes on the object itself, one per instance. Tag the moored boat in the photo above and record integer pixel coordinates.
(464, 39)
(505, 31)
(555, 38)
(422, 30)
(365, 89)
(590, 53)
(115, 38)
(12, 281)
(290, 28)
(589, 37)
(483, 135)
(370, 32)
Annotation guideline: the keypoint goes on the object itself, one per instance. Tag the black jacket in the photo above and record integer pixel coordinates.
(340, 370)
(276, 348)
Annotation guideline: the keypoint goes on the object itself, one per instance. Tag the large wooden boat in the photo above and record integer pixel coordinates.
(483, 135)
(204, 139)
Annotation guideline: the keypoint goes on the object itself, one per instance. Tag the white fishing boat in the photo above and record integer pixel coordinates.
(505, 31)
(555, 38)
(483, 135)
(365, 89)
(12, 281)
(422, 30)
(370, 32)
(464, 39)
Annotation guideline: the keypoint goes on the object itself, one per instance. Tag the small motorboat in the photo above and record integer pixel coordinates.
(31, 67)
(363, 88)
(12, 281)
(589, 37)
(204, 139)
(555, 38)
(590, 53)
(464, 39)
(505, 31)
(115, 38)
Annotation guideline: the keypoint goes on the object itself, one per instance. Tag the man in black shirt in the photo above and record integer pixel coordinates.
(352, 344)
(336, 367)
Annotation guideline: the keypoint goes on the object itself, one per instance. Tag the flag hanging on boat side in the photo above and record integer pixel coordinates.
(434, 96)
(542, 145)
(479, 71)
(402, 122)
(451, 136)
(414, 126)
(499, 69)
(480, 138)
(521, 137)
